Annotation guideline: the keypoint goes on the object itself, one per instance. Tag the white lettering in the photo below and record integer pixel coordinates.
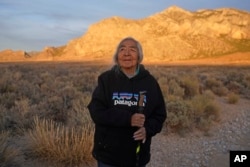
(243, 157)
(240, 158)
(125, 102)
(237, 158)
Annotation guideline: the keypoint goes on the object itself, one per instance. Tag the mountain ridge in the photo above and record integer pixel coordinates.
(173, 34)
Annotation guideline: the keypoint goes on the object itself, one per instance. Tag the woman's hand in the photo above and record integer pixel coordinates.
(140, 134)
(138, 120)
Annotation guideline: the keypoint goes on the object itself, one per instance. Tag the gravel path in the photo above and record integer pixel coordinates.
(197, 150)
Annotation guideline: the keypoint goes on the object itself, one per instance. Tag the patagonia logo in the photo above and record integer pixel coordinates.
(128, 99)
(125, 102)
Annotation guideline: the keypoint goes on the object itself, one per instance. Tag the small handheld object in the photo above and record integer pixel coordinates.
(141, 101)
(141, 106)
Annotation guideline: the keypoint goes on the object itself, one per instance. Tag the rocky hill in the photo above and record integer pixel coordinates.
(171, 35)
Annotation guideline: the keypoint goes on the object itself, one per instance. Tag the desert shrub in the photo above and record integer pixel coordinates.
(246, 81)
(220, 91)
(10, 120)
(205, 110)
(3, 112)
(68, 93)
(79, 115)
(58, 144)
(5, 88)
(175, 90)
(86, 81)
(6, 84)
(234, 86)
(163, 82)
(212, 112)
(28, 89)
(235, 76)
(199, 103)
(232, 98)
(190, 85)
(211, 82)
(209, 94)
(8, 99)
(180, 116)
(56, 109)
(204, 124)
(216, 86)
(59, 106)
(16, 117)
(22, 106)
(7, 154)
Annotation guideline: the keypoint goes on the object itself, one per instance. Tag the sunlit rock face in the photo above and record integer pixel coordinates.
(172, 34)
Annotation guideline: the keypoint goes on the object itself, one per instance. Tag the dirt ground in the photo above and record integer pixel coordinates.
(230, 113)
(172, 150)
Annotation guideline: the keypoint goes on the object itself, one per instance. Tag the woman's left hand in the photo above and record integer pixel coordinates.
(140, 134)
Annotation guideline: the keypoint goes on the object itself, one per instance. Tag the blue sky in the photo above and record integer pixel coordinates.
(34, 24)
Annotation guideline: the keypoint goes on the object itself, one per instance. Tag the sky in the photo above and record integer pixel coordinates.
(32, 25)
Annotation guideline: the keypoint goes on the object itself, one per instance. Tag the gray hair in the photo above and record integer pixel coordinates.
(138, 45)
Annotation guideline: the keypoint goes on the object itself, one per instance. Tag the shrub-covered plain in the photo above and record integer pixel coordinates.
(46, 104)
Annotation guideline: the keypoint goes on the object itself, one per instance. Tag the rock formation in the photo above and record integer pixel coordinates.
(170, 35)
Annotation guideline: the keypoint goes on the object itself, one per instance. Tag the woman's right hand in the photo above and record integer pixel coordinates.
(137, 120)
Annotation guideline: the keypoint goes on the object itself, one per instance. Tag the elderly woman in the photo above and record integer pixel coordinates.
(122, 133)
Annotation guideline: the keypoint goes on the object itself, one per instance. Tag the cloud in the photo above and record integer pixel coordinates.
(25, 24)
(30, 25)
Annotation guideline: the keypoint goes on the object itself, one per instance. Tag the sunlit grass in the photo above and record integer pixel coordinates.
(59, 144)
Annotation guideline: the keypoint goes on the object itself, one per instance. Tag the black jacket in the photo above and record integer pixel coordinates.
(113, 102)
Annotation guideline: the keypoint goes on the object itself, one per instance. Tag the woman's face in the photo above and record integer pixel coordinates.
(128, 56)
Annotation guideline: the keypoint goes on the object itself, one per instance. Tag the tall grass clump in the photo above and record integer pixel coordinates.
(58, 144)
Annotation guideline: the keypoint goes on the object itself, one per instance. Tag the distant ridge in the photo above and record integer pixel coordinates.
(173, 34)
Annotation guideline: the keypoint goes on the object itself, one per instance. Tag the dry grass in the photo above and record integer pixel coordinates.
(58, 144)
(233, 98)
